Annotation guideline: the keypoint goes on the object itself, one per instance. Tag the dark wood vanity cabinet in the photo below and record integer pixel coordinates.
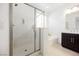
(70, 41)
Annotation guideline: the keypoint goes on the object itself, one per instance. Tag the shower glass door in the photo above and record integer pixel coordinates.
(23, 29)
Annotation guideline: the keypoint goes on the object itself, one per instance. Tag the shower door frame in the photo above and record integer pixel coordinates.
(11, 28)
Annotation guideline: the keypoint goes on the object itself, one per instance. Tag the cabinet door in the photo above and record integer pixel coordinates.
(71, 41)
(67, 40)
(23, 32)
(76, 43)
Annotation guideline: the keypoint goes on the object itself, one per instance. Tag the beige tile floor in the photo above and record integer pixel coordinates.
(56, 49)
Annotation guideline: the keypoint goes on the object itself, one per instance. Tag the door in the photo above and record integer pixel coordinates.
(23, 29)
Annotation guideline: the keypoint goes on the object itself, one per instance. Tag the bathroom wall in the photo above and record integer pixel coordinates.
(4, 29)
(56, 24)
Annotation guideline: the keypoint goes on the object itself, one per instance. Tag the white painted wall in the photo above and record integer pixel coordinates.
(56, 23)
(4, 29)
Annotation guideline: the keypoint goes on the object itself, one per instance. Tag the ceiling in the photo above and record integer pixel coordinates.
(52, 7)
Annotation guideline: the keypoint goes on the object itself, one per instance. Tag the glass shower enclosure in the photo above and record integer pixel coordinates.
(26, 22)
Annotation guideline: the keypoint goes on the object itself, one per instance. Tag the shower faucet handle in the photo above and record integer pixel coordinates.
(25, 50)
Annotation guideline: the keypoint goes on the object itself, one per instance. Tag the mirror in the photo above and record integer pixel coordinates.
(72, 21)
